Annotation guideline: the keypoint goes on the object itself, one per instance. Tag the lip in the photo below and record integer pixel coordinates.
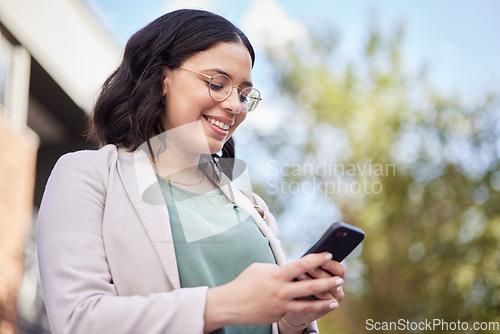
(215, 128)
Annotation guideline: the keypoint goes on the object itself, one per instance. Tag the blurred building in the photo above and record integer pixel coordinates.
(54, 55)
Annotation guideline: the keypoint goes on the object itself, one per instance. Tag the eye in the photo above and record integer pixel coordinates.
(215, 87)
(220, 82)
(243, 97)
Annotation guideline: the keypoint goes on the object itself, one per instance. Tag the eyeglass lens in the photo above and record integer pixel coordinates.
(221, 86)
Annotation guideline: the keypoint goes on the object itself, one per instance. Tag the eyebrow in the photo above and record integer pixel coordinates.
(218, 70)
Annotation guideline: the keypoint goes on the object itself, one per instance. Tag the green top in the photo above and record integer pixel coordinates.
(214, 241)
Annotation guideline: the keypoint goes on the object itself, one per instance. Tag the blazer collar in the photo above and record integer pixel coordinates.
(144, 191)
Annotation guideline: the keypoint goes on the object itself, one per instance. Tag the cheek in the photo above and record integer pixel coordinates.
(183, 109)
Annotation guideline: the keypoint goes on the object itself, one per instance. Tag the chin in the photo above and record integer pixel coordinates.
(215, 149)
(215, 145)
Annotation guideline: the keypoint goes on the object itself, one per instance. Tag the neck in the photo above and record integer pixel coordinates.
(183, 170)
(173, 161)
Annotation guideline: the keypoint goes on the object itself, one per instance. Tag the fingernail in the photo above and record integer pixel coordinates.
(339, 281)
(302, 277)
(328, 257)
(333, 305)
(312, 270)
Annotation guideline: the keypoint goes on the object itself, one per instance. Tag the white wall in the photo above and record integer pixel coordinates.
(68, 41)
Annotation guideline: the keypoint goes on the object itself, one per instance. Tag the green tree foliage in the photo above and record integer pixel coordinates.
(430, 206)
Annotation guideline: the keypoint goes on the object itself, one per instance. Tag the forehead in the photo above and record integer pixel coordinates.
(232, 58)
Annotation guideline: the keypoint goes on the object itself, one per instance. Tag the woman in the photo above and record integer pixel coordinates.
(148, 234)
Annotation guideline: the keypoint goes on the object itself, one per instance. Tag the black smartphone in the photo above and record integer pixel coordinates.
(340, 239)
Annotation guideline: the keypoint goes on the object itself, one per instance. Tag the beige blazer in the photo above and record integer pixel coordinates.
(106, 254)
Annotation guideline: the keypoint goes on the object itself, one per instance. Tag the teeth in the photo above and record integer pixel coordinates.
(220, 125)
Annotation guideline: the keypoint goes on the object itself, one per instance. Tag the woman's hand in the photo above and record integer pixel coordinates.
(328, 270)
(263, 293)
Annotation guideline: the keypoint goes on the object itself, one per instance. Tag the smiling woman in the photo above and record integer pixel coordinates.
(165, 241)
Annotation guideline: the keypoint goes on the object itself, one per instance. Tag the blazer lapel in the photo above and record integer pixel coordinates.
(147, 198)
(238, 198)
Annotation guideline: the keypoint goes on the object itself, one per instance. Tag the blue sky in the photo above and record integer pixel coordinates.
(458, 40)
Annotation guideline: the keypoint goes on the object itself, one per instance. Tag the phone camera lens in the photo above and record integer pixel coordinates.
(341, 234)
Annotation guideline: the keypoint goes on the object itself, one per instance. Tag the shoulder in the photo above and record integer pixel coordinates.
(85, 160)
(102, 155)
(95, 164)
(83, 173)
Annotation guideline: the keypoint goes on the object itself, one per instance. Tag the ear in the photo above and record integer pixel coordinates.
(165, 78)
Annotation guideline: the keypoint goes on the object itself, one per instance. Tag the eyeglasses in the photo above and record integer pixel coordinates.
(220, 86)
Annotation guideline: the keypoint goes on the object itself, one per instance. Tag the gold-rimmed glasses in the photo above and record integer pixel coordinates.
(220, 87)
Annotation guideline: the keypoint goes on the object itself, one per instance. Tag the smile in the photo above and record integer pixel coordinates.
(220, 125)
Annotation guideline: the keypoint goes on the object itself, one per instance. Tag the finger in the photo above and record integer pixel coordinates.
(317, 273)
(335, 268)
(307, 306)
(338, 293)
(320, 273)
(304, 264)
(325, 295)
(309, 287)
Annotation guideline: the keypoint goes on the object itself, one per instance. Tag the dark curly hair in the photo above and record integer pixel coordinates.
(129, 108)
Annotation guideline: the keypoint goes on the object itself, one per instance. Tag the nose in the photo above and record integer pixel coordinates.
(232, 102)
